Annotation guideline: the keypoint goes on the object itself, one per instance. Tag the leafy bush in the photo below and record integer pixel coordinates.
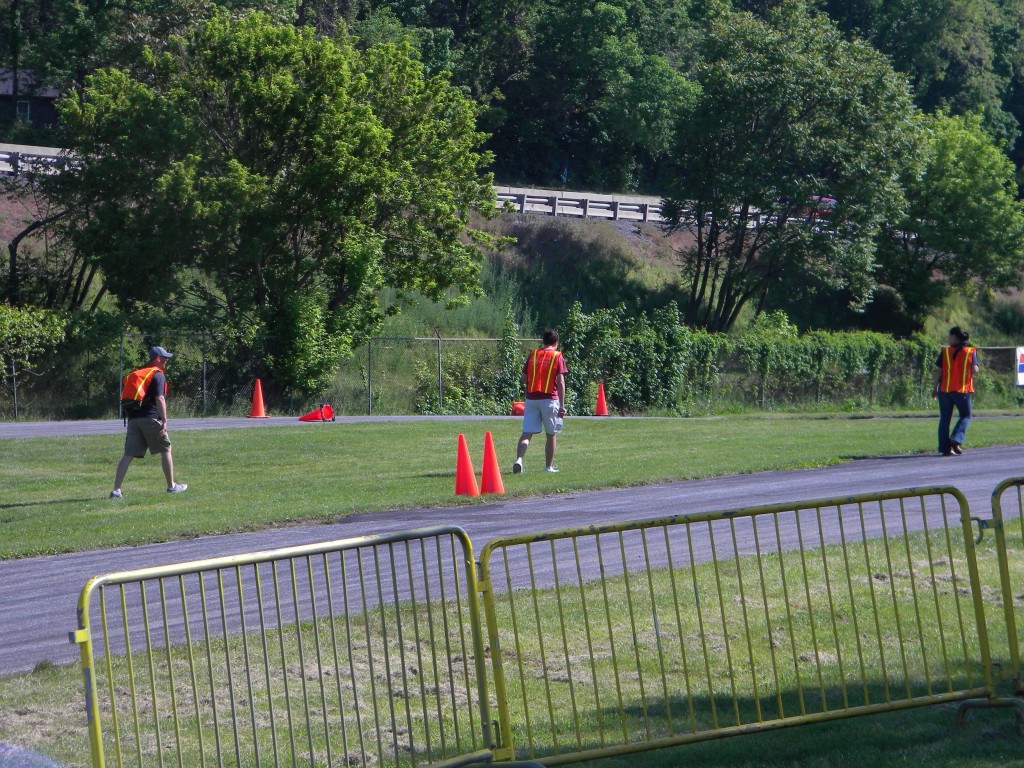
(659, 363)
(475, 380)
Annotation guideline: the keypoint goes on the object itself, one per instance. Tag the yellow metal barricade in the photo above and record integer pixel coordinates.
(359, 652)
(1008, 525)
(625, 637)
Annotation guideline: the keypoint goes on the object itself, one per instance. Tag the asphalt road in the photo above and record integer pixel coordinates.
(22, 429)
(38, 596)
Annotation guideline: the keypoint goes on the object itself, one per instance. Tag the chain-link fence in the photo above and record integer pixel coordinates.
(417, 375)
(386, 376)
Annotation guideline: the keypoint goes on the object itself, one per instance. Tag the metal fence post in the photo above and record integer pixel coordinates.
(369, 376)
(14, 385)
(440, 386)
(120, 374)
(202, 352)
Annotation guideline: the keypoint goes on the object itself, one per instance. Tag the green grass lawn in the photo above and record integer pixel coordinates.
(55, 489)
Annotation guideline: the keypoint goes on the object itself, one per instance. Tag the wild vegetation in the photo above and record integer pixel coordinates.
(276, 179)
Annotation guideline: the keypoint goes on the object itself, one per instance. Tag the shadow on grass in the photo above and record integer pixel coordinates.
(703, 718)
(45, 503)
(894, 457)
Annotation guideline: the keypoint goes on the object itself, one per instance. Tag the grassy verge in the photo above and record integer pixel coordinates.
(42, 710)
(55, 490)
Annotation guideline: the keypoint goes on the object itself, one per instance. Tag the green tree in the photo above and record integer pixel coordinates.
(962, 56)
(963, 228)
(254, 163)
(594, 105)
(25, 333)
(789, 111)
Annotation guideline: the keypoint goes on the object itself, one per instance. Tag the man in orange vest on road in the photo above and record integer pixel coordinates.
(544, 378)
(954, 387)
(147, 426)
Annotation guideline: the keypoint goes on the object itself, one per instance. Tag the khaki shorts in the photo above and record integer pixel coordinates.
(540, 414)
(145, 432)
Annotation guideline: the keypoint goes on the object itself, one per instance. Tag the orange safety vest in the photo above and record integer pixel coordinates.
(957, 371)
(541, 368)
(136, 382)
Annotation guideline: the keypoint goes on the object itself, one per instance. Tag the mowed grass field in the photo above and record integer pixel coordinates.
(54, 490)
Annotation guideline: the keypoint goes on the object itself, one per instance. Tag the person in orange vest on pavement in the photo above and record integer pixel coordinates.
(544, 377)
(147, 425)
(954, 387)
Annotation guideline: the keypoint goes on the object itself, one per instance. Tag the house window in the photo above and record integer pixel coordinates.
(24, 111)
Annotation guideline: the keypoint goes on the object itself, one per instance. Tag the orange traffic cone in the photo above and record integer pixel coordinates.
(257, 411)
(490, 479)
(465, 477)
(602, 406)
(323, 413)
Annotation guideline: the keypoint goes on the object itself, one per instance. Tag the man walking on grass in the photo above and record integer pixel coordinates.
(147, 426)
(544, 379)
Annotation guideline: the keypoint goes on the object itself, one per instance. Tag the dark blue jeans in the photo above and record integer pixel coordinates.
(962, 403)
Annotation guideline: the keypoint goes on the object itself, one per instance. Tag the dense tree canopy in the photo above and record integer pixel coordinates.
(595, 104)
(962, 56)
(789, 112)
(272, 182)
(741, 106)
(964, 225)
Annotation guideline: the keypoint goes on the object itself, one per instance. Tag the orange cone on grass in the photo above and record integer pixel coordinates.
(324, 413)
(602, 406)
(257, 411)
(465, 477)
(490, 479)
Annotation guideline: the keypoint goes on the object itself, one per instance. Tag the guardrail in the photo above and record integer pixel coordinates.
(585, 205)
(600, 641)
(16, 159)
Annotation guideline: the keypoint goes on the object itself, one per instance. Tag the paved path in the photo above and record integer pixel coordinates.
(10, 430)
(38, 595)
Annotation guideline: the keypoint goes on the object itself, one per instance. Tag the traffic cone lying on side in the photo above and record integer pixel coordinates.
(602, 406)
(324, 413)
(465, 477)
(257, 411)
(490, 479)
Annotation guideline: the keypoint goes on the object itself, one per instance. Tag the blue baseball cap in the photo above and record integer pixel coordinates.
(155, 352)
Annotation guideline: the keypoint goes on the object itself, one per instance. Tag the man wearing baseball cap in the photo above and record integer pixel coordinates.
(147, 427)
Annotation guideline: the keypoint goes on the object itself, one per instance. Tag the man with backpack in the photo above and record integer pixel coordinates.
(144, 404)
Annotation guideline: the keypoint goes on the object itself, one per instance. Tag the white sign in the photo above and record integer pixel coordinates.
(1020, 366)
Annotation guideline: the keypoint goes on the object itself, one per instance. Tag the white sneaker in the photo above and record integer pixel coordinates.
(116, 495)
(517, 468)
(550, 469)
(178, 488)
